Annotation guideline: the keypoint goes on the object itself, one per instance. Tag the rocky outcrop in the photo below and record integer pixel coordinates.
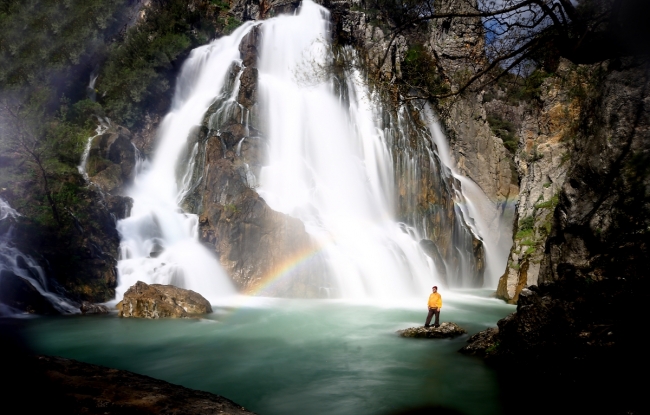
(74, 387)
(545, 127)
(112, 160)
(159, 301)
(581, 324)
(446, 330)
(482, 343)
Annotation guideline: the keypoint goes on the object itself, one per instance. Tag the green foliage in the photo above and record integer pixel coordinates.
(505, 130)
(231, 208)
(140, 70)
(420, 73)
(230, 25)
(527, 223)
(493, 348)
(518, 89)
(549, 204)
(47, 42)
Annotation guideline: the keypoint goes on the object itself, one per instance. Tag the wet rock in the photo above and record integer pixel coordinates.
(482, 343)
(248, 88)
(248, 47)
(19, 294)
(90, 308)
(157, 301)
(446, 330)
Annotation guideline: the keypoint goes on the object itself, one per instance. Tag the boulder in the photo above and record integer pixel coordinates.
(90, 308)
(482, 343)
(156, 301)
(446, 330)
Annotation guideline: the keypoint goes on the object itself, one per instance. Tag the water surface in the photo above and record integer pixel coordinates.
(294, 356)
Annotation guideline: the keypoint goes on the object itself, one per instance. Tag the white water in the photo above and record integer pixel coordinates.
(101, 129)
(329, 164)
(25, 267)
(156, 221)
(490, 225)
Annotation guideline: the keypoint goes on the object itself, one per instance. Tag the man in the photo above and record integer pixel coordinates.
(435, 304)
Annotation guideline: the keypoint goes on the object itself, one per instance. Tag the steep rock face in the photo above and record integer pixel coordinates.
(458, 45)
(545, 129)
(581, 324)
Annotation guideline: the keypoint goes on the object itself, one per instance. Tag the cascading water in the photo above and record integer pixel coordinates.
(15, 264)
(493, 226)
(159, 242)
(328, 166)
(336, 160)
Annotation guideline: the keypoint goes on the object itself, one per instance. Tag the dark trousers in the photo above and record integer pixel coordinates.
(433, 311)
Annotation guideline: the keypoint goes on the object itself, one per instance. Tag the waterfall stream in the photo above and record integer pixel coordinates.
(335, 159)
(15, 264)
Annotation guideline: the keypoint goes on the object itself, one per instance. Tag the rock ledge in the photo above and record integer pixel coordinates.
(446, 330)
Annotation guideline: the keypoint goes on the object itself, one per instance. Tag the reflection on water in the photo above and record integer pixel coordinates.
(296, 357)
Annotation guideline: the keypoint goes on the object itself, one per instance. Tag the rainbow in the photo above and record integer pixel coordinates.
(286, 268)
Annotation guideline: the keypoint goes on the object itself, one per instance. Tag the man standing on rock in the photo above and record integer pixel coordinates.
(435, 304)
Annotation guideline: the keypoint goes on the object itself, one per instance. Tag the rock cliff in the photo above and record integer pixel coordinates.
(579, 325)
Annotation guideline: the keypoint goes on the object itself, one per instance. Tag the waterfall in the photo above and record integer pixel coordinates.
(103, 126)
(490, 224)
(336, 159)
(15, 264)
(159, 242)
(329, 166)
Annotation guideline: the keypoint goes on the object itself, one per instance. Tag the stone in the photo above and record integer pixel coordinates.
(445, 331)
(482, 343)
(73, 387)
(158, 301)
(112, 159)
(248, 47)
(248, 87)
(90, 308)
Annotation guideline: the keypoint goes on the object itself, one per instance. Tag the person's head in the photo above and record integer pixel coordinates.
(434, 288)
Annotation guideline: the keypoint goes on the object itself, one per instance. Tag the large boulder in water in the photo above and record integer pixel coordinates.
(155, 301)
(446, 330)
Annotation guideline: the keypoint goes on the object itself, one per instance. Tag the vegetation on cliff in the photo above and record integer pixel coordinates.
(63, 65)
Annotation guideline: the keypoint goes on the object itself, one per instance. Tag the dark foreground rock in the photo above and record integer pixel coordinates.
(446, 330)
(156, 301)
(91, 389)
(482, 343)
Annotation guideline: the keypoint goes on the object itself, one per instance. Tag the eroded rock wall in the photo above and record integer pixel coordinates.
(545, 128)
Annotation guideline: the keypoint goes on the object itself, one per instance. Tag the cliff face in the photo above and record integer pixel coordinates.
(581, 321)
(545, 128)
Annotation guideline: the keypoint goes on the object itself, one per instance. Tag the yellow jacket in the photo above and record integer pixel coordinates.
(435, 301)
